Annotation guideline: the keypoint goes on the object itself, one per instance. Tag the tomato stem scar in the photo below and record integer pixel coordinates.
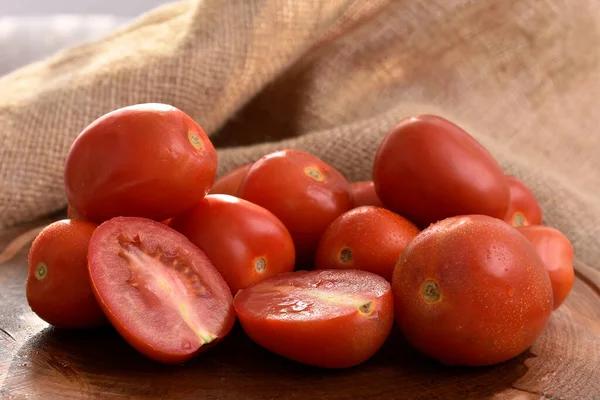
(518, 219)
(431, 291)
(260, 264)
(366, 308)
(345, 255)
(41, 271)
(194, 140)
(314, 173)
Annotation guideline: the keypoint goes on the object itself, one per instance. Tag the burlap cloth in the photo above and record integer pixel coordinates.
(331, 77)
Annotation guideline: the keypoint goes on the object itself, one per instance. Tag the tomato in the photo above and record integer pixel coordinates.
(147, 160)
(159, 291)
(368, 238)
(556, 251)
(230, 182)
(245, 242)
(305, 193)
(58, 288)
(73, 213)
(363, 194)
(427, 169)
(523, 208)
(325, 318)
(471, 290)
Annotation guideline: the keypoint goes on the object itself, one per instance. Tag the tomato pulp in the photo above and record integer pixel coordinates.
(326, 318)
(159, 291)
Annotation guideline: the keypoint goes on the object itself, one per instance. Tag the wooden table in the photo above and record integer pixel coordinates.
(40, 362)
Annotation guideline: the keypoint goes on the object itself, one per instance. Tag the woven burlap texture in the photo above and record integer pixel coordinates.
(331, 77)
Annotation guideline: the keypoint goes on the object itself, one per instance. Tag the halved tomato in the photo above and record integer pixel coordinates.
(326, 318)
(159, 291)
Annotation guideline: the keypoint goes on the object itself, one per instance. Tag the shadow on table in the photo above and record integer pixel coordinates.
(75, 364)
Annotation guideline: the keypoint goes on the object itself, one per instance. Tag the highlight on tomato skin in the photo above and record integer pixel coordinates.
(304, 192)
(159, 291)
(427, 168)
(472, 291)
(363, 194)
(245, 242)
(368, 238)
(230, 182)
(523, 208)
(146, 160)
(58, 289)
(556, 251)
(324, 318)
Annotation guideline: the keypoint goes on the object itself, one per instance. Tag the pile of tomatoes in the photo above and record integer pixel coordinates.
(314, 268)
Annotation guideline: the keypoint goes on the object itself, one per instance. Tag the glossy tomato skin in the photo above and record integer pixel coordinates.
(305, 193)
(556, 251)
(230, 182)
(58, 288)
(363, 194)
(471, 290)
(368, 238)
(245, 242)
(427, 169)
(523, 208)
(159, 291)
(325, 318)
(147, 160)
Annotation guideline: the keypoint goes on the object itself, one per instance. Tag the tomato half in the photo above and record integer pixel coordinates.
(471, 290)
(230, 182)
(326, 318)
(427, 169)
(305, 193)
(147, 160)
(368, 238)
(556, 251)
(159, 291)
(245, 242)
(363, 194)
(58, 287)
(523, 208)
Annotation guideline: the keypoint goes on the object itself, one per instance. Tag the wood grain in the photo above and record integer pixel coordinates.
(38, 361)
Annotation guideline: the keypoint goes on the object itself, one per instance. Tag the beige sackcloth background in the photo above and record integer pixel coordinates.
(331, 77)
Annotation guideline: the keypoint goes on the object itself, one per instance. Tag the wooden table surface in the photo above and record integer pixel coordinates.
(40, 362)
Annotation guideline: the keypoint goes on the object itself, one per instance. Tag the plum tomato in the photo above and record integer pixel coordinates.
(324, 318)
(304, 192)
(245, 242)
(159, 291)
(523, 208)
(363, 194)
(470, 290)
(230, 182)
(556, 251)
(147, 160)
(368, 238)
(427, 169)
(58, 287)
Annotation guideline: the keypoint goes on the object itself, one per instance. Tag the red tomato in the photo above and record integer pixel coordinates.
(326, 318)
(58, 288)
(245, 242)
(148, 160)
(556, 251)
(523, 208)
(471, 290)
(159, 291)
(72, 213)
(368, 238)
(230, 182)
(427, 169)
(305, 193)
(363, 194)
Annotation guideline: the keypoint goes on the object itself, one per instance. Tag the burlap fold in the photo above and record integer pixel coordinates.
(330, 77)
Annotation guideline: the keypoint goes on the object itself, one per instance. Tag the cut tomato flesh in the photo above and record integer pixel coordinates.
(159, 290)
